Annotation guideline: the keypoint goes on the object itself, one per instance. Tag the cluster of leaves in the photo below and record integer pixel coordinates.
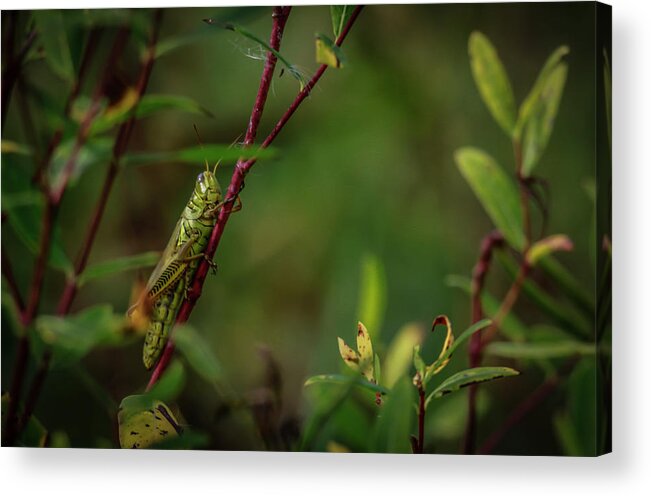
(504, 198)
(394, 419)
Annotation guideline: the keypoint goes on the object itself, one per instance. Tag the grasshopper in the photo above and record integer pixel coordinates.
(170, 280)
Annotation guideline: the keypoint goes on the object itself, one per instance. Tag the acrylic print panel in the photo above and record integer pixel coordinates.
(419, 261)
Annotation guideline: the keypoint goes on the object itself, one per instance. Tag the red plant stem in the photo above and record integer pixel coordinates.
(120, 146)
(237, 181)
(13, 69)
(421, 420)
(490, 242)
(526, 406)
(11, 282)
(89, 52)
(53, 199)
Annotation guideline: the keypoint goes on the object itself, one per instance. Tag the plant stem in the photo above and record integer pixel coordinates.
(421, 420)
(119, 147)
(241, 169)
(489, 243)
(11, 282)
(13, 70)
(527, 405)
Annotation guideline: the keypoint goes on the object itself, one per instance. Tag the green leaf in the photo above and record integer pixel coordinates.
(196, 155)
(73, 337)
(198, 353)
(170, 384)
(496, 192)
(340, 15)
(567, 435)
(531, 101)
(582, 404)
(492, 81)
(372, 294)
(148, 105)
(8, 146)
(419, 365)
(144, 422)
(328, 53)
(400, 352)
(470, 376)
(52, 33)
(477, 326)
(541, 123)
(394, 424)
(568, 283)
(26, 221)
(567, 318)
(539, 350)
(345, 380)
(96, 151)
(33, 435)
(291, 68)
(117, 265)
(544, 247)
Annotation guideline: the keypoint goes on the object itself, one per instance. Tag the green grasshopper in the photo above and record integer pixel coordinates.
(170, 280)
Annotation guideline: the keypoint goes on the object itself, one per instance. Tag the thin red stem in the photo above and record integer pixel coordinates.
(121, 142)
(237, 180)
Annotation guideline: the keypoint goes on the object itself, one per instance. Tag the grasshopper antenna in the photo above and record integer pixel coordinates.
(202, 148)
(235, 141)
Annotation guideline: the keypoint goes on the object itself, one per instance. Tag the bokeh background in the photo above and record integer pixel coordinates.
(364, 168)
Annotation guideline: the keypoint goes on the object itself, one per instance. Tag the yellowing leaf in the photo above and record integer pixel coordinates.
(365, 350)
(328, 53)
(442, 360)
(350, 356)
(548, 245)
(143, 423)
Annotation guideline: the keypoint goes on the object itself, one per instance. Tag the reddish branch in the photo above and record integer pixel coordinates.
(242, 167)
(526, 406)
(119, 147)
(421, 420)
(491, 241)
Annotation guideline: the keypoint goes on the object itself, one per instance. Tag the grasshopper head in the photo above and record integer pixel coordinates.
(207, 187)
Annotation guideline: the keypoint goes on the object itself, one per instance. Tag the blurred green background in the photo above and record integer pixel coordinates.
(365, 167)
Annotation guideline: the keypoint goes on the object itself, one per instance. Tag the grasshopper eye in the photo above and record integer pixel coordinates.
(200, 177)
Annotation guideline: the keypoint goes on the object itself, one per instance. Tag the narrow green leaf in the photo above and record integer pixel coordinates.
(568, 283)
(372, 294)
(539, 350)
(566, 317)
(96, 151)
(117, 265)
(198, 353)
(470, 376)
(567, 435)
(340, 15)
(419, 365)
(328, 53)
(394, 424)
(26, 222)
(291, 68)
(52, 33)
(345, 380)
(544, 247)
(148, 105)
(492, 81)
(73, 337)
(496, 192)
(196, 155)
(541, 123)
(401, 351)
(532, 99)
(8, 146)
